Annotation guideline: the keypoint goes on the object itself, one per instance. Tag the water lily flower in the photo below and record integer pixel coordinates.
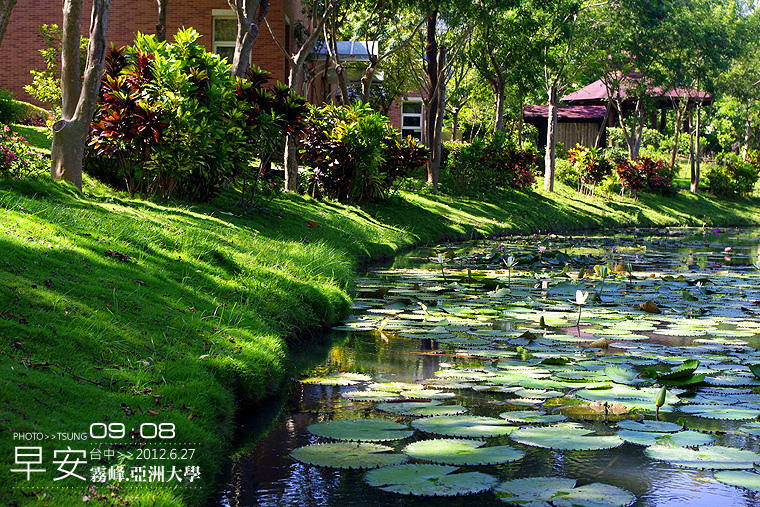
(541, 249)
(580, 297)
(727, 249)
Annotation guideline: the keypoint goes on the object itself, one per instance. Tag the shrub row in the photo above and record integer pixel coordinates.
(494, 161)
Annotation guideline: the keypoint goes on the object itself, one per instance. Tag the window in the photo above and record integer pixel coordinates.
(411, 119)
(225, 31)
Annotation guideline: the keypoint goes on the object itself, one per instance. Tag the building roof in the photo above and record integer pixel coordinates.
(566, 113)
(350, 50)
(597, 93)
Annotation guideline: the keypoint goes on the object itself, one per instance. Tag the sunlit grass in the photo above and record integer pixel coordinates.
(137, 312)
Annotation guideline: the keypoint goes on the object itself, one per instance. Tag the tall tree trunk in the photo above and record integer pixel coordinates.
(331, 43)
(79, 100)
(521, 120)
(551, 141)
(638, 130)
(500, 100)
(249, 14)
(431, 114)
(697, 150)
(161, 26)
(6, 6)
(679, 121)
(295, 82)
(692, 166)
(455, 123)
(747, 133)
(367, 78)
(603, 126)
(437, 148)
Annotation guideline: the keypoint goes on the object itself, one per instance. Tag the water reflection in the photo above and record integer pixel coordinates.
(267, 477)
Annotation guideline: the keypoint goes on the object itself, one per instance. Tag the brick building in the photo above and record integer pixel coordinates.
(213, 19)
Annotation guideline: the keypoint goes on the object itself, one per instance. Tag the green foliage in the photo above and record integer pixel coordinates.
(17, 160)
(589, 164)
(10, 111)
(176, 123)
(649, 138)
(46, 83)
(31, 115)
(494, 161)
(733, 176)
(355, 153)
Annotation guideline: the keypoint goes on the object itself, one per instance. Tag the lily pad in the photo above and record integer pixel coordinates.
(532, 417)
(568, 437)
(338, 379)
(348, 455)
(462, 452)
(464, 426)
(739, 478)
(712, 457)
(561, 492)
(361, 430)
(402, 407)
(686, 438)
(654, 426)
(429, 480)
(719, 412)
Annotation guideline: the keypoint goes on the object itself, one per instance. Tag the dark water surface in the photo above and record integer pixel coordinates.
(265, 475)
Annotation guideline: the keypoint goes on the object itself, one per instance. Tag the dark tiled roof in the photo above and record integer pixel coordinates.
(597, 92)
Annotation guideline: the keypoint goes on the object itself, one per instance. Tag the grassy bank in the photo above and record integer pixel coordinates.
(125, 312)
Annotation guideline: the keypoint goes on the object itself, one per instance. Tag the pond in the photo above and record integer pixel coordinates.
(591, 370)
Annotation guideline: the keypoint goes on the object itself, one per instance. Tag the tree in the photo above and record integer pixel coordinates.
(704, 38)
(564, 29)
(161, 26)
(319, 14)
(6, 6)
(79, 99)
(250, 14)
(501, 51)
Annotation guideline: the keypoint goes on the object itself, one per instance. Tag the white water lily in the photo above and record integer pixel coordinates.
(440, 258)
(580, 297)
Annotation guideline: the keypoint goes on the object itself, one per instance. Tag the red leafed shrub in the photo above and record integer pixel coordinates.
(645, 174)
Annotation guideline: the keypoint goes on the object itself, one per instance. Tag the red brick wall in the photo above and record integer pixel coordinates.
(19, 52)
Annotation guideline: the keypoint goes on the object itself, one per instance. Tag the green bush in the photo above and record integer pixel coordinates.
(10, 110)
(732, 175)
(355, 153)
(29, 114)
(591, 167)
(175, 123)
(567, 173)
(485, 163)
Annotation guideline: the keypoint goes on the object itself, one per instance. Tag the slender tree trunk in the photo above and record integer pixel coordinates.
(437, 148)
(521, 121)
(692, 167)
(455, 123)
(6, 6)
(551, 141)
(679, 121)
(431, 52)
(603, 126)
(697, 150)
(747, 132)
(161, 26)
(79, 100)
(638, 130)
(500, 100)
(367, 78)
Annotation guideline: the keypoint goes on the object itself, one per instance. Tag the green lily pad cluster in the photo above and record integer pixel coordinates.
(514, 368)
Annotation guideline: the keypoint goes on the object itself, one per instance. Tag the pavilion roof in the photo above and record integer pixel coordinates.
(597, 93)
(566, 113)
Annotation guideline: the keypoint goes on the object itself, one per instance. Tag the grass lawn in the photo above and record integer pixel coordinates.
(119, 311)
(37, 137)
